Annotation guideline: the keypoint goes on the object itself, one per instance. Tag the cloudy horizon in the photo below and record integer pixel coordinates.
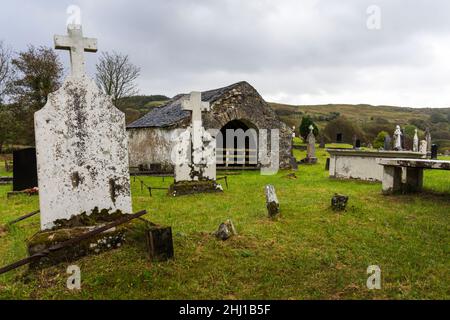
(294, 52)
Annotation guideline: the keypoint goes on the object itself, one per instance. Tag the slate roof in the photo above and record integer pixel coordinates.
(172, 112)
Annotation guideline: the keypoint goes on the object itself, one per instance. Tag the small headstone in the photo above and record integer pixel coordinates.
(398, 139)
(358, 144)
(226, 230)
(24, 169)
(446, 153)
(327, 164)
(339, 138)
(387, 143)
(81, 144)
(423, 147)
(293, 132)
(339, 202)
(434, 151)
(272, 204)
(403, 139)
(322, 142)
(416, 141)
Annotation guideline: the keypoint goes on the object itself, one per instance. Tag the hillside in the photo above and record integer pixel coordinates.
(372, 119)
(137, 106)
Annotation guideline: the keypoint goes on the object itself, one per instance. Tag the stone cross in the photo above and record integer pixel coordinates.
(77, 45)
(416, 142)
(196, 106)
(311, 147)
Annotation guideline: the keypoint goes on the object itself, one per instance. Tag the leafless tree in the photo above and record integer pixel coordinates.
(116, 75)
(6, 70)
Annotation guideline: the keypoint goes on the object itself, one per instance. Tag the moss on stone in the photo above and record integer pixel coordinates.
(192, 187)
(94, 218)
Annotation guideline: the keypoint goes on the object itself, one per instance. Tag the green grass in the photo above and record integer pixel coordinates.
(310, 252)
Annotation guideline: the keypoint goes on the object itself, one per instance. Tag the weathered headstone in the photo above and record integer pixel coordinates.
(339, 138)
(24, 169)
(272, 204)
(387, 143)
(339, 202)
(398, 139)
(434, 151)
(358, 144)
(423, 147)
(322, 142)
(311, 147)
(428, 139)
(195, 153)
(416, 141)
(226, 230)
(81, 143)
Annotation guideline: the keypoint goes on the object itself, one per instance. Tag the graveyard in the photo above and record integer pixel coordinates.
(214, 193)
(309, 252)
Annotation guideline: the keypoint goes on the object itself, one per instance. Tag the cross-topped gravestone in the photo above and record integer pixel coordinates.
(311, 147)
(196, 106)
(81, 145)
(77, 45)
(195, 150)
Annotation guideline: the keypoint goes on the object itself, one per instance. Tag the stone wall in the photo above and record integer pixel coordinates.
(147, 146)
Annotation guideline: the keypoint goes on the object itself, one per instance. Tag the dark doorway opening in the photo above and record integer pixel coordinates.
(242, 150)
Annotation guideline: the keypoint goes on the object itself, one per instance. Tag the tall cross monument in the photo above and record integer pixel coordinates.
(197, 106)
(77, 45)
(81, 144)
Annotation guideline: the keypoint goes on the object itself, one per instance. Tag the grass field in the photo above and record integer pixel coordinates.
(310, 252)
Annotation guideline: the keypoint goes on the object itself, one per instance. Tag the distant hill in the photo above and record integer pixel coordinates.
(137, 106)
(372, 119)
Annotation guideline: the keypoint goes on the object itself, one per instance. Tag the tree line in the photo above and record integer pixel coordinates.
(28, 76)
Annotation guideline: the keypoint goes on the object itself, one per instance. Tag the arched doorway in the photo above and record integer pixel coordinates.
(237, 145)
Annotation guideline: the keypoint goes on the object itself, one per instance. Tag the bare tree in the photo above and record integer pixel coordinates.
(116, 75)
(6, 70)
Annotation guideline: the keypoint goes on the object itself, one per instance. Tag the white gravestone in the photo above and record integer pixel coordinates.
(416, 141)
(196, 148)
(398, 138)
(81, 144)
(423, 147)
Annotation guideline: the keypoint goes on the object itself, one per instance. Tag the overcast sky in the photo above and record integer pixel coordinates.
(291, 51)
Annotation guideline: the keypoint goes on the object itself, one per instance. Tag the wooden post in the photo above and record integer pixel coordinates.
(159, 243)
(272, 204)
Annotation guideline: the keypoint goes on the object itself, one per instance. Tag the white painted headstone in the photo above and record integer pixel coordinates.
(81, 144)
(398, 138)
(196, 147)
(416, 142)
